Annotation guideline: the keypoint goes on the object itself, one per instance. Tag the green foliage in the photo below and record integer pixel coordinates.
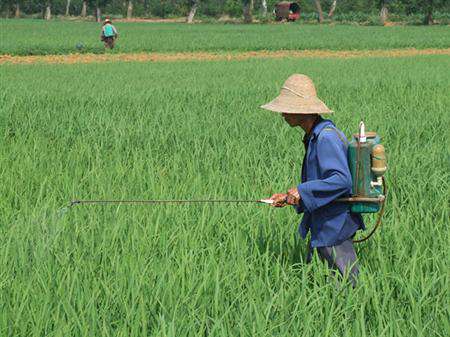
(194, 129)
(215, 8)
(233, 8)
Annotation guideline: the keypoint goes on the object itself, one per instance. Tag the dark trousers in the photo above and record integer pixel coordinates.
(109, 42)
(341, 258)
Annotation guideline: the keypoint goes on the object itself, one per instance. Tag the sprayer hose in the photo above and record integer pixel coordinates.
(380, 215)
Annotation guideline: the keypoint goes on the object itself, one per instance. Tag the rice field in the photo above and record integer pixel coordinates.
(194, 130)
(37, 37)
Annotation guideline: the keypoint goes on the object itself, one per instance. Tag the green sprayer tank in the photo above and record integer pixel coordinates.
(367, 163)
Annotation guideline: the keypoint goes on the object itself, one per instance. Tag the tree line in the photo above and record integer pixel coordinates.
(247, 9)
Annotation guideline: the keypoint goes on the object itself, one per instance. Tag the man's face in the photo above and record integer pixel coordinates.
(293, 119)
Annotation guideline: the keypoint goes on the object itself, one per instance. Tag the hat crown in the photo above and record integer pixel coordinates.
(298, 96)
(301, 85)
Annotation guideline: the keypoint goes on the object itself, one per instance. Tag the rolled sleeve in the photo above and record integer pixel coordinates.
(307, 196)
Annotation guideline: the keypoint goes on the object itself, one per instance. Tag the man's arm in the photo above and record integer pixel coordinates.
(333, 167)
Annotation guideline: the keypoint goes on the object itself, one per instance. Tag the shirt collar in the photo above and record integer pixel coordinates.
(319, 126)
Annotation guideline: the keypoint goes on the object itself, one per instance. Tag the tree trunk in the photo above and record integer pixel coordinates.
(384, 13)
(429, 18)
(17, 12)
(319, 10)
(248, 11)
(190, 17)
(332, 9)
(84, 9)
(48, 12)
(98, 14)
(130, 9)
(146, 12)
(429, 13)
(264, 8)
(68, 8)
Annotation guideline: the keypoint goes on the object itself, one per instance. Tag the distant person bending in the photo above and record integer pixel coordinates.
(109, 34)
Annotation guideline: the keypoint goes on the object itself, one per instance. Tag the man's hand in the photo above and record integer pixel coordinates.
(279, 199)
(293, 197)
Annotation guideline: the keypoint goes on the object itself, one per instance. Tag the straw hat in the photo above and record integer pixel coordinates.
(298, 96)
(107, 20)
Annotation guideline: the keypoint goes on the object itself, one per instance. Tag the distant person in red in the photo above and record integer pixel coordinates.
(293, 16)
(294, 12)
(109, 34)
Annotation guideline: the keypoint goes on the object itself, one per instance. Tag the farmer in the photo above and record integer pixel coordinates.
(109, 34)
(325, 177)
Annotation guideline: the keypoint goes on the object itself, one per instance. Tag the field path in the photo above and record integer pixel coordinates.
(216, 56)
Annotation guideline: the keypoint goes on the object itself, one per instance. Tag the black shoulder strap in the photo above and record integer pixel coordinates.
(344, 140)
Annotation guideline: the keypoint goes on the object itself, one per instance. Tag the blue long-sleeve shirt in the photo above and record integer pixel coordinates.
(326, 177)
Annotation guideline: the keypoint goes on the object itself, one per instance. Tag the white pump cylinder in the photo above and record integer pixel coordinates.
(362, 132)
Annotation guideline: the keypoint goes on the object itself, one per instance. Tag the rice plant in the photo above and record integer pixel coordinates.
(36, 37)
(190, 130)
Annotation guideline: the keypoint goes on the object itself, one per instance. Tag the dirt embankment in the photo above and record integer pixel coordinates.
(212, 56)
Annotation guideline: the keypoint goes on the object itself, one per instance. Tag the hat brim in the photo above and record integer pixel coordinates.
(291, 104)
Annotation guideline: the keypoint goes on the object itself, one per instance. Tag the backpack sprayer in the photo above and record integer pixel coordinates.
(367, 163)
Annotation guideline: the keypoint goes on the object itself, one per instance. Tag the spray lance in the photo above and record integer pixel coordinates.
(205, 201)
(367, 163)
